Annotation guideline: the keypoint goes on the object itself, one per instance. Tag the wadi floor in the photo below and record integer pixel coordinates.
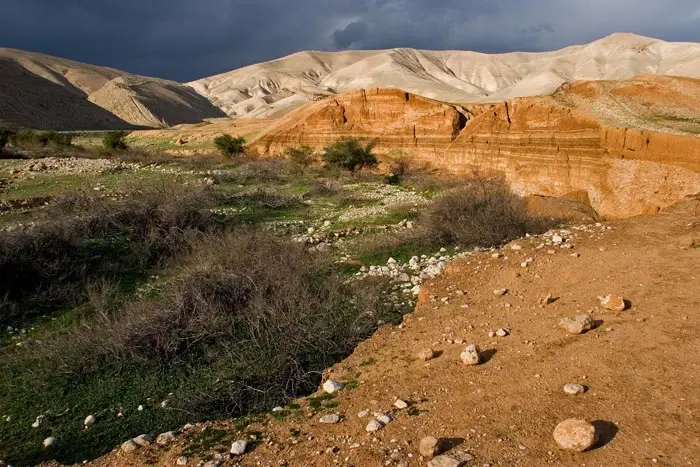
(641, 367)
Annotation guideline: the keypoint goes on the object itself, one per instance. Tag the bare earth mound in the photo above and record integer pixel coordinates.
(638, 366)
(41, 91)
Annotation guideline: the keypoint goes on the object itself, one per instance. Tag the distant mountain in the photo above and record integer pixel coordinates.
(273, 88)
(41, 91)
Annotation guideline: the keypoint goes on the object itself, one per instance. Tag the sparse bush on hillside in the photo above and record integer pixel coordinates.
(247, 322)
(350, 154)
(230, 146)
(302, 156)
(483, 212)
(35, 138)
(114, 141)
(47, 266)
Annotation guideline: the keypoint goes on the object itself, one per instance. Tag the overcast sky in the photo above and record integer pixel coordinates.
(188, 39)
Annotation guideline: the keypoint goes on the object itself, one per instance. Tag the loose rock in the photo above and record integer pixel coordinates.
(331, 386)
(374, 425)
(143, 440)
(426, 354)
(167, 437)
(500, 292)
(330, 418)
(578, 324)
(613, 303)
(50, 442)
(129, 446)
(429, 447)
(450, 460)
(502, 332)
(182, 460)
(575, 435)
(89, 421)
(574, 389)
(383, 418)
(470, 355)
(399, 404)
(238, 447)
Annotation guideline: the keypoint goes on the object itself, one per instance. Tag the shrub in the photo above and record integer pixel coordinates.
(482, 213)
(230, 146)
(350, 154)
(247, 322)
(48, 265)
(303, 155)
(114, 141)
(32, 138)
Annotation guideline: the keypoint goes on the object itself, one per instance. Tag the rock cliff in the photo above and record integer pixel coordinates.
(541, 145)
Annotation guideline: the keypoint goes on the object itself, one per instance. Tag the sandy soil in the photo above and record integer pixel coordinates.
(640, 366)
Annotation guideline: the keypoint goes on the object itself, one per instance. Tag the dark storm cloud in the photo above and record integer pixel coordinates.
(187, 39)
(353, 32)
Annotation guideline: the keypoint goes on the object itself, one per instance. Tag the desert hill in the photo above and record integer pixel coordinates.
(272, 88)
(42, 91)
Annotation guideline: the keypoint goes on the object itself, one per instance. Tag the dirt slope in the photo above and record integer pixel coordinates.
(41, 91)
(268, 89)
(640, 366)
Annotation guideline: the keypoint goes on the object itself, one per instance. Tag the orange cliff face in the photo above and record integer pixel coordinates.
(540, 145)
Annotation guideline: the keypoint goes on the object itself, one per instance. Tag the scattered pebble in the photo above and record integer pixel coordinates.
(613, 303)
(500, 292)
(374, 425)
(330, 419)
(575, 435)
(331, 386)
(451, 460)
(238, 447)
(400, 404)
(502, 332)
(50, 442)
(89, 421)
(470, 355)
(574, 389)
(578, 324)
(429, 447)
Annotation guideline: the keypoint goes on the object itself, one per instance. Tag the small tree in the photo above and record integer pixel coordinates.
(229, 146)
(350, 154)
(303, 155)
(114, 140)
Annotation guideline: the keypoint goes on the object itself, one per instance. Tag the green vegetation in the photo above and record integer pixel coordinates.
(186, 287)
(230, 146)
(302, 156)
(350, 154)
(115, 141)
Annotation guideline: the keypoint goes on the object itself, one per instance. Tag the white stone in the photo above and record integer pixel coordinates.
(450, 460)
(500, 292)
(167, 437)
(574, 389)
(578, 324)
(330, 419)
(575, 435)
(143, 440)
(399, 404)
(50, 442)
(470, 355)
(383, 418)
(557, 239)
(331, 386)
(238, 447)
(89, 421)
(39, 421)
(278, 409)
(502, 332)
(129, 446)
(182, 460)
(374, 425)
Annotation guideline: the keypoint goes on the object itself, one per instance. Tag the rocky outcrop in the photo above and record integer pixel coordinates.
(541, 146)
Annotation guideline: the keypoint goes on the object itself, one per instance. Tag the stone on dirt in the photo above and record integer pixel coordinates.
(400, 404)
(575, 435)
(426, 354)
(330, 419)
(383, 418)
(500, 292)
(238, 447)
(574, 389)
(470, 355)
(167, 437)
(331, 386)
(429, 447)
(374, 425)
(89, 421)
(613, 303)
(129, 446)
(182, 460)
(450, 460)
(578, 324)
(143, 440)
